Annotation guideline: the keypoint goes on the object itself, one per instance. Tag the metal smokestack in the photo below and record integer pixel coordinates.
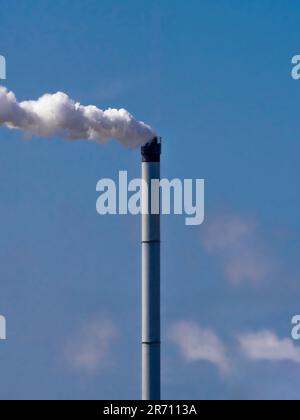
(151, 369)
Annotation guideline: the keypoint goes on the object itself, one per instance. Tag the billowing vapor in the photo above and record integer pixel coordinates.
(58, 115)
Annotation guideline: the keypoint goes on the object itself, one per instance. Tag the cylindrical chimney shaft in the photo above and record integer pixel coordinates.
(151, 369)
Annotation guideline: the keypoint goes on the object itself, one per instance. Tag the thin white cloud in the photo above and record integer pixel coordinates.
(91, 350)
(266, 346)
(236, 243)
(199, 344)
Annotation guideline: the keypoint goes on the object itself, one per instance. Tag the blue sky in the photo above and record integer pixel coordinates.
(213, 77)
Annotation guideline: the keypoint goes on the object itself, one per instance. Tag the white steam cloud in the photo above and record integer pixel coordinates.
(59, 115)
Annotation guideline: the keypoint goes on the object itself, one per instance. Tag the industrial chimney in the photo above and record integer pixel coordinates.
(151, 375)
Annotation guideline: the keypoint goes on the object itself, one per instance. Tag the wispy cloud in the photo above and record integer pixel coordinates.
(266, 346)
(199, 344)
(236, 243)
(111, 89)
(91, 350)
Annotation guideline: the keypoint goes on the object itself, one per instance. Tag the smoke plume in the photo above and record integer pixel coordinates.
(58, 115)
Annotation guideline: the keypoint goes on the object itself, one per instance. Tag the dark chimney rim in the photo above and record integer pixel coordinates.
(151, 151)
